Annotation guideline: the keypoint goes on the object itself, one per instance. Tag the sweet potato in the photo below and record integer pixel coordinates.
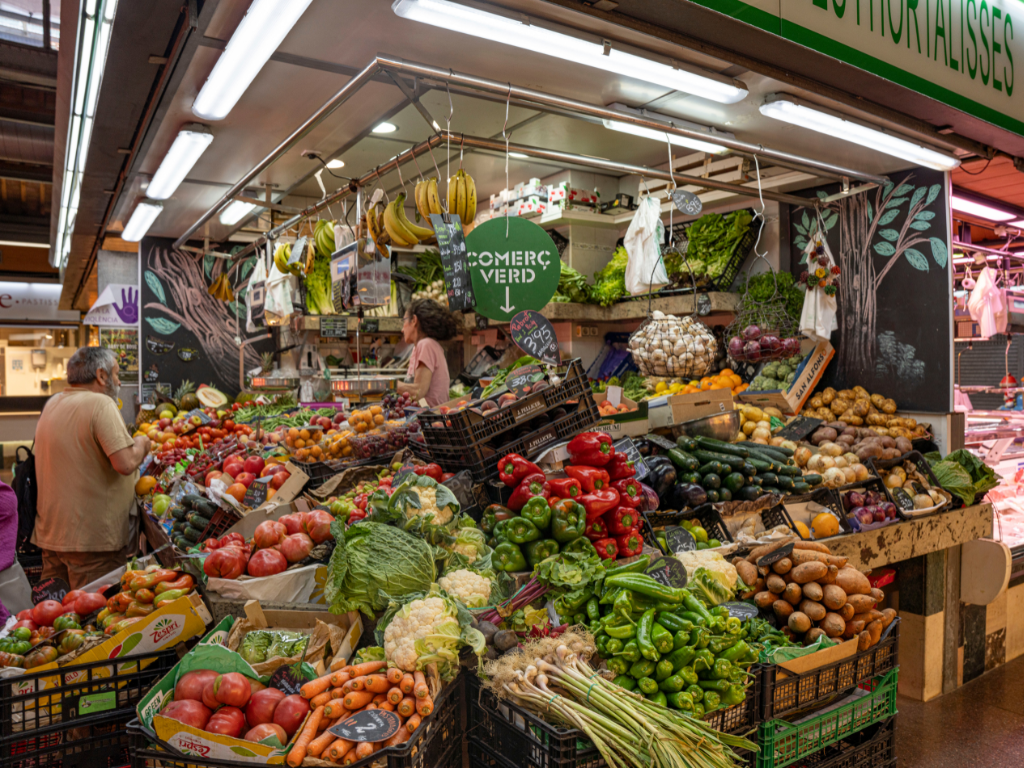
(815, 546)
(830, 577)
(798, 622)
(782, 566)
(775, 583)
(793, 594)
(833, 624)
(875, 630)
(853, 628)
(888, 615)
(767, 549)
(847, 612)
(868, 616)
(878, 594)
(833, 597)
(809, 572)
(782, 609)
(861, 603)
(813, 591)
(815, 611)
(747, 572)
(764, 599)
(863, 641)
(853, 581)
(813, 634)
(807, 556)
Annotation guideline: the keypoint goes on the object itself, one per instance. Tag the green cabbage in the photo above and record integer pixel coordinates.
(373, 563)
(370, 653)
(710, 587)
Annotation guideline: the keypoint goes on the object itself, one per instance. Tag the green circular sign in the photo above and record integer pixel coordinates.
(512, 272)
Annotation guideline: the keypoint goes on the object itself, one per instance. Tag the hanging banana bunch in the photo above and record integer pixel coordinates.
(323, 238)
(403, 232)
(428, 200)
(462, 197)
(221, 288)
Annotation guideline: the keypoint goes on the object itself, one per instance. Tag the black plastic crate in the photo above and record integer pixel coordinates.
(874, 747)
(785, 697)
(923, 467)
(436, 743)
(466, 428)
(706, 514)
(724, 281)
(482, 461)
(99, 745)
(744, 717)
(826, 497)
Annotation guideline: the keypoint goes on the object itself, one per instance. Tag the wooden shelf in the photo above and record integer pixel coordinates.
(721, 303)
(385, 325)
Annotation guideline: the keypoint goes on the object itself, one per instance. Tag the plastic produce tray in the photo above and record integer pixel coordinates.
(826, 497)
(436, 743)
(705, 514)
(874, 747)
(466, 428)
(922, 465)
(786, 696)
(871, 484)
(783, 743)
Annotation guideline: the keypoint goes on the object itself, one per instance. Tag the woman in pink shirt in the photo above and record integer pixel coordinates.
(426, 324)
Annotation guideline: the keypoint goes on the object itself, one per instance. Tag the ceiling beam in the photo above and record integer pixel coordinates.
(26, 172)
(28, 65)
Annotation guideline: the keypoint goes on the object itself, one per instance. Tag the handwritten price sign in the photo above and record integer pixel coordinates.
(534, 334)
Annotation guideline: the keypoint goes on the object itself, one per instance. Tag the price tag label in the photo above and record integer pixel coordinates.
(535, 335)
(288, 679)
(626, 446)
(741, 611)
(667, 571)
(203, 418)
(50, 589)
(334, 327)
(370, 326)
(773, 557)
(662, 442)
(369, 725)
(451, 244)
(256, 493)
(799, 428)
(679, 539)
(522, 380)
(687, 202)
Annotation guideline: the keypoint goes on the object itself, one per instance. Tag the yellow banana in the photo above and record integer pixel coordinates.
(372, 230)
(470, 199)
(420, 233)
(460, 196)
(399, 236)
(453, 185)
(433, 198)
(422, 211)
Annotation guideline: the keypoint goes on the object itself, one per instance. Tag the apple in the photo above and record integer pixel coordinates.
(254, 465)
(265, 731)
(164, 423)
(262, 705)
(234, 466)
(188, 712)
(290, 712)
(279, 479)
(161, 503)
(212, 475)
(245, 478)
(272, 469)
(228, 721)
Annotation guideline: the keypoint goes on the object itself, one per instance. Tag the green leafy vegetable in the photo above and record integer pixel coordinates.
(570, 570)
(951, 472)
(611, 281)
(710, 587)
(319, 295)
(572, 286)
(713, 241)
(370, 653)
(762, 287)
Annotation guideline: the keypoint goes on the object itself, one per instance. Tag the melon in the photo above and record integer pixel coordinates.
(211, 398)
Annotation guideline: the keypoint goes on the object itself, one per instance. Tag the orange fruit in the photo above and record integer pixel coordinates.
(824, 525)
(304, 434)
(237, 490)
(293, 433)
(145, 485)
(378, 419)
(300, 443)
(375, 409)
(705, 381)
(727, 372)
(736, 380)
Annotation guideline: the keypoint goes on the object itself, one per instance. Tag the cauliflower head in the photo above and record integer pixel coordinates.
(712, 561)
(422, 497)
(471, 589)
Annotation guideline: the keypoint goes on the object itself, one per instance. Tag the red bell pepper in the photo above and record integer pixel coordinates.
(590, 478)
(591, 448)
(513, 468)
(431, 470)
(608, 549)
(629, 544)
(620, 467)
(596, 529)
(531, 485)
(599, 502)
(621, 520)
(630, 493)
(565, 487)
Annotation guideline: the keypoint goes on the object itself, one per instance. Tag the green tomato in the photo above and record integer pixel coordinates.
(21, 647)
(21, 633)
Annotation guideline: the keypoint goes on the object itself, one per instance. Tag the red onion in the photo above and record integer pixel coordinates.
(770, 343)
(791, 347)
(751, 332)
(751, 351)
(736, 348)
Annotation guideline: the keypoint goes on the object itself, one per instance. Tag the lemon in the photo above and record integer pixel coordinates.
(703, 545)
(824, 525)
(699, 534)
(713, 543)
(802, 529)
(660, 387)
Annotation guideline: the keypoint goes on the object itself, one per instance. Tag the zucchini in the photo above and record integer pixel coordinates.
(724, 494)
(713, 495)
(690, 477)
(799, 487)
(787, 483)
(812, 479)
(711, 482)
(710, 444)
(766, 450)
(762, 465)
(684, 461)
(736, 462)
(713, 467)
(748, 493)
(192, 534)
(769, 478)
(734, 481)
(686, 443)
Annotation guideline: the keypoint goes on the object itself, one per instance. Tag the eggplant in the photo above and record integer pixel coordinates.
(687, 495)
(662, 476)
(645, 447)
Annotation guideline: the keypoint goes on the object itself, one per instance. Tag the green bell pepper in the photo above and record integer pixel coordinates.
(681, 657)
(721, 643)
(617, 665)
(568, 521)
(703, 660)
(540, 549)
(737, 653)
(625, 681)
(735, 695)
(508, 557)
(691, 603)
(712, 701)
(601, 643)
(499, 530)
(647, 685)
(630, 651)
(581, 546)
(579, 619)
(569, 603)
(680, 639)
(672, 684)
(662, 638)
(643, 636)
(612, 647)
(521, 531)
(689, 676)
(700, 637)
(681, 701)
(658, 697)
(718, 686)
(537, 511)
(663, 670)
(695, 691)
(623, 606)
(721, 669)
(492, 515)
(642, 668)
(698, 709)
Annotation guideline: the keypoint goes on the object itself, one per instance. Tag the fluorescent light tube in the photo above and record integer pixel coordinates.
(980, 210)
(1019, 223)
(23, 244)
(385, 128)
(142, 219)
(83, 67)
(790, 111)
(650, 133)
(188, 146)
(518, 155)
(500, 29)
(265, 25)
(235, 212)
(100, 63)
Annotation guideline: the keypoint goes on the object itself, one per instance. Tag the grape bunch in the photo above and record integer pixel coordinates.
(394, 404)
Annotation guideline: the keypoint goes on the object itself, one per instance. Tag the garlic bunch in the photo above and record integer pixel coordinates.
(673, 346)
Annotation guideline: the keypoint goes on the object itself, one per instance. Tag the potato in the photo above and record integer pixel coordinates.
(782, 566)
(782, 609)
(888, 406)
(823, 434)
(847, 612)
(813, 591)
(859, 391)
(747, 572)
(770, 411)
(856, 420)
(793, 594)
(833, 624)
(764, 599)
(815, 402)
(846, 440)
(853, 581)
(829, 395)
(838, 426)
(839, 406)
(847, 394)
(869, 451)
(798, 622)
(875, 419)
(811, 571)
(833, 597)
(888, 442)
(775, 583)
(877, 400)
(861, 407)
(813, 634)
(815, 611)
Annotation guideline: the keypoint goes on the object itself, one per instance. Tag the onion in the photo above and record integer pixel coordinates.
(752, 351)
(801, 455)
(834, 478)
(790, 347)
(751, 332)
(736, 348)
(854, 499)
(770, 343)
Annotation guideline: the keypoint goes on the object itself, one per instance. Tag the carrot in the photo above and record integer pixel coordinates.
(322, 742)
(407, 683)
(357, 700)
(339, 749)
(377, 684)
(338, 679)
(320, 699)
(395, 675)
(348, 687)
(426, 706)
(298, 750)
(420, 689)
(386, 705)
(366, 668)
(407, 706)
(379, 698)
(335, 709)
(395, 695)
(314, 687)
(337, 693)
(399, 738)
(357, 683)
(413, 723)
(371, 705)
(366, 748)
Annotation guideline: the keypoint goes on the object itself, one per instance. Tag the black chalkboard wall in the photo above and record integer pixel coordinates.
(895, 324)
(186, 332)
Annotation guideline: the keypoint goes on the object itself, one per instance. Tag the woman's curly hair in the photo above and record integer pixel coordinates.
(435, 321)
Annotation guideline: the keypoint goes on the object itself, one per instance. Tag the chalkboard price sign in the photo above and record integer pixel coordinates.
(369, 725)
(773, 557)
(256, 493)
(203, 418)
(799, 428)
(534, 334)
(288, 679)
(334, 327)
(50, 589)
(667, 571)
(662, 442)
(626, 446)
(687, 202)
(451, 243)
(741, 611)
(521, 381)
(680, 540)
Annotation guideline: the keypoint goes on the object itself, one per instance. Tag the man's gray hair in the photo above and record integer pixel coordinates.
(84, 364)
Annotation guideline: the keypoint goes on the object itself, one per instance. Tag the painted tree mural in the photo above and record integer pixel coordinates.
(878, 237)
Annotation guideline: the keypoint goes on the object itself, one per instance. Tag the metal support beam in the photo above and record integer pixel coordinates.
(265, 204)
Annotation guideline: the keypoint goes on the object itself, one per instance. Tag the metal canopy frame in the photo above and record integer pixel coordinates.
(396, 67)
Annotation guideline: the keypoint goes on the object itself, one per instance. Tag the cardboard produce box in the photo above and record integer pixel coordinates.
(792, 400)
(680, 408)
(630, 423)
(212, 653)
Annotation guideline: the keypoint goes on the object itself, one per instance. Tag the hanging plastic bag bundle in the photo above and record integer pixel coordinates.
(645, 270)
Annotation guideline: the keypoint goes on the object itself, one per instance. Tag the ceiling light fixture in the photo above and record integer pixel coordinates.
(235, 212)
(188, 146)
(142, 219)
(987, 212)
(385, 128)
(1019, 223)
(595, 52)
(264, 27)
(787, 109)
(656, 135)
(335, 164)
(23, 244)
(518, 155)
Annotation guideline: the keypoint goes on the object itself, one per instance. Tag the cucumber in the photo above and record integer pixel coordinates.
(748, 493)
(733, 481)
(192, 534)
(182, 543)
(769, 478)
(748, 469)
(787, 483)
(756, 449)
(179, 512)
(801, 488)
(724, 494)
(711, 482)
(736, 462)
(812, 479)
(684, 461)
(790, 469)
(712, 467)
(755, 480)
(713, 495)
(198, 522)
(710, 444)
(690, 477)
(686, 443)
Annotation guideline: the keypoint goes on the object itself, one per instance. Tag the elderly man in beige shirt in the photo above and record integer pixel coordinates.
(86, 468)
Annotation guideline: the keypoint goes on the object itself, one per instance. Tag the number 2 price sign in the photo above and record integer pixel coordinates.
(535, 335)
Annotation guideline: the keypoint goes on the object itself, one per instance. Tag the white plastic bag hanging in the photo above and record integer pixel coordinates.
(818, 318)
(645, 270)
(280, 288)
(257, 292)
(987, 304)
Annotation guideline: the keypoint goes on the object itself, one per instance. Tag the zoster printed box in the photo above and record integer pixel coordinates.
(792, 400)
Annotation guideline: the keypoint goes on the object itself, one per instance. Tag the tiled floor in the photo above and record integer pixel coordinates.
(980, 724)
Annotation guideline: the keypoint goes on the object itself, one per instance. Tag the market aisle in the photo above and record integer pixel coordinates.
(980, 724)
